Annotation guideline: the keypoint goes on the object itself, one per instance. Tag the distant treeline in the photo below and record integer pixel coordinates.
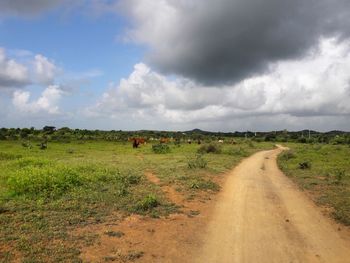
(65, 134)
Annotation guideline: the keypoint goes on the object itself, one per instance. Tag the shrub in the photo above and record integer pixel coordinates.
(302, 140)
(111, 233)
(339, 176)
(26, 145)
(287, 155)
(197, 162)
(203, 185)
(71, 151)
(160, 148)
(305, 165)
(237, 151)
(147, 203)
(130, 179)
(43, 146)
(209, 148)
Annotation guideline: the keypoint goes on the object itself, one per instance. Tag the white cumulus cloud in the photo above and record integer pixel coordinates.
(46, 103)
(44, 69)
(293, 92)
(12, 73)
(17, 72)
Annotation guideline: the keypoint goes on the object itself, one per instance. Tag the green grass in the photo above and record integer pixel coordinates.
(46, 194)
(324, 171)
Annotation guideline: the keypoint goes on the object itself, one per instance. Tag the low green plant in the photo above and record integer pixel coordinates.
(287, 155)
(70, 151)
(160, 148)
(203, 185)
(250, 143)
(26, 144)
(49, 181)
(339, 176)
(237, 151)
(117, 234)
(197, 162)
(9, 156)
(147, 203)
(209, 148)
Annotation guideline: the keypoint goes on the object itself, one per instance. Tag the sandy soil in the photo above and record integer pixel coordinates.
(145, 239)
(259, 216)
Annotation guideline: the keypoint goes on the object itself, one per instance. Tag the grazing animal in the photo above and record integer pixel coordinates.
(137, 141)
(164, 140)
(220, 141)
(189, 141)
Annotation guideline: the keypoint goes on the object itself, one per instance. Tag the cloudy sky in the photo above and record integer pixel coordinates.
(221, 65)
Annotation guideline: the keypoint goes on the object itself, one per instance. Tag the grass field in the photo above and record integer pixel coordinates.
(45, 194)
(323, 171)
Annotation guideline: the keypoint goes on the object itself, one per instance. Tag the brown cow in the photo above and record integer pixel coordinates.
(137, 141)
(164, 140)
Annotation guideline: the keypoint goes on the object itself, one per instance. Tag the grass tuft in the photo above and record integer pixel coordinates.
(160, 148)
(197, 162)
(147, 203)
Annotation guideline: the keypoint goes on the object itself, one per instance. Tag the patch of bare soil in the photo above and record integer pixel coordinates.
(145, 239)
(173, 195)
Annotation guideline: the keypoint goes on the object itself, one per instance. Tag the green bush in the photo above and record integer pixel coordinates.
(287, 155)
(160, 148)
(27, 145)
(203, 185)
(209, 148)
(131, 178)
(197, 162)
(70, 151)
(339, 176)
(237, 151)
(147, 203)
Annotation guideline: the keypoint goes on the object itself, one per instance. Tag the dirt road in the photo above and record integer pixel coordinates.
(261, 217)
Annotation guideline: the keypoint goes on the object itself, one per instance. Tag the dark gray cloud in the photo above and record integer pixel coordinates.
(223, 41)
(27, 7)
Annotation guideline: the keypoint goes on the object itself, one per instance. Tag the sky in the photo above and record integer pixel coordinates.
(224, 65)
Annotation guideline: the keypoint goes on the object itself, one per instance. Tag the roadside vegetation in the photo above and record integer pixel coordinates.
(50, 188)
(323, 170)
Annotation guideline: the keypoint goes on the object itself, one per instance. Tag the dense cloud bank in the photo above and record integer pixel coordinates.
(224, 41)
(316, 86)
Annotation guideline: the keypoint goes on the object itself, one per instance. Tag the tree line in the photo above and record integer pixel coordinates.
(65, 134)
